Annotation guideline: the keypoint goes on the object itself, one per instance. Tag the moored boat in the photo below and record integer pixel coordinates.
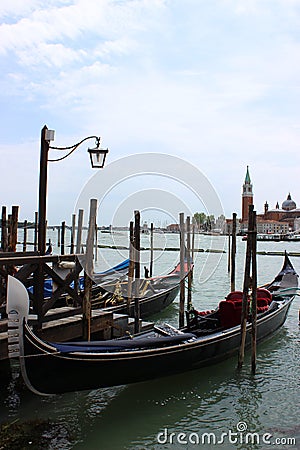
(50, 368)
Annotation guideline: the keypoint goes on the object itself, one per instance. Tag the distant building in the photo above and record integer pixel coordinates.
(277, 220)
(271, 226)
(173, 228)
(247, 197)
(286, 214)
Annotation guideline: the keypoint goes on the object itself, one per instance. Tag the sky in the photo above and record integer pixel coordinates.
(214, 83)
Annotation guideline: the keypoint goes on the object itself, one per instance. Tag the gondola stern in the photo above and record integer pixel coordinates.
(17, 308)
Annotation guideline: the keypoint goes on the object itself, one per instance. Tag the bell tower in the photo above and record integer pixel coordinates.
(247, 196)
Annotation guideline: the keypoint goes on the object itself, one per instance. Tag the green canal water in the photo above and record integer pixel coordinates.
(215, 407)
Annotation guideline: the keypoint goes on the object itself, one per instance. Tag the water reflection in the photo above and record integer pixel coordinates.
(214, 399)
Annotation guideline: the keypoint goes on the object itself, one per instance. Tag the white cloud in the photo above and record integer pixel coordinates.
(215, 82)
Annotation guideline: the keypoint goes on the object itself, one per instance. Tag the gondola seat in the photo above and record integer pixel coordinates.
(235, 295)
(262, 305)
(263, 293)
(202, 313)
(230, 313)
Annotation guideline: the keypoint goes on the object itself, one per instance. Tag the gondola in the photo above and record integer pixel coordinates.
(154, 294)
(51, 368)
(112, 274)
(110, 291)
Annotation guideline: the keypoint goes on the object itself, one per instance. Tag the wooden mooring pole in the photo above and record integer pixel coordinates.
(24, 235)
(73, 233)
(182, 280)
(151, 250)
(13, 228)
(137, 271)
(193, 245)
(229, 250)
(247, 281)
(36, 218)
(79, 231)
(4, 235)
(63, 235)
(189, 263)
(131, 266)
(89, 269)
(233, 253)
(254, 295)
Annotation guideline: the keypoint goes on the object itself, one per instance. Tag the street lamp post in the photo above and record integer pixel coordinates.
(97, 156)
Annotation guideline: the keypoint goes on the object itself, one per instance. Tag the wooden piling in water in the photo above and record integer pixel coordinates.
(189, 265)
(182, 280)
(151, 250)
(229, 250)
(58, 236)
(79, 231)
(13, 235)
(96, 241)
(246, 285)
(73, 234)
(193, 239)
(131, 266)
(24, 235)
(4, 234)
(137, 244)
(36, 218)
(63, 235)
(254, 296)
(89, 270)
(233, 253)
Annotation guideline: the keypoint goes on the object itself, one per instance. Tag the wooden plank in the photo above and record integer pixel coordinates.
(64, 287)
(67, 329)
(17, 255)
(34, 259)
(25, 271)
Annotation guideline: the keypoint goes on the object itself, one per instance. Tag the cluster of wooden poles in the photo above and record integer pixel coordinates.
(9, 232)
(250, 283)
(134, 273)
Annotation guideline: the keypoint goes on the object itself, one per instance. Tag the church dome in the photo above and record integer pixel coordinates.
(288, 204)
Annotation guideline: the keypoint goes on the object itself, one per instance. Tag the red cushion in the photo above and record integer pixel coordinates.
(264, 293)
(235, 295)
(230, 313)
(262, 302)
(261, 309)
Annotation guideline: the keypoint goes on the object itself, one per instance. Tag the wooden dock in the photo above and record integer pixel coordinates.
(104, 325)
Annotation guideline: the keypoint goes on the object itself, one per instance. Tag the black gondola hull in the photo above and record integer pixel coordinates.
(59, 373)
(51, 368)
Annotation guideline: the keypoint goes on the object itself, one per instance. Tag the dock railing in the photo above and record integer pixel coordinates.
(32, 270)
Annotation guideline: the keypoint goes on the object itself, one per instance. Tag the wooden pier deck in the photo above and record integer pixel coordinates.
(104, 325)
